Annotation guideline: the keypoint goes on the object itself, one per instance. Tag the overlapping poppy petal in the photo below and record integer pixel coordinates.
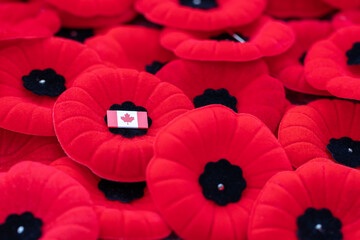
(317, 201)
(297, 8)
(27, 20)
(346, 18)
(332, 64)
(93, 13)
(208, 168)
(16, 147)
(32, 74)
(243, 87)
(324, 128)
(131, 47)
(40, 202)
(124, 210)
(344, 4)
(202, 15)
(265, 37)
(289, 66)
(115, 153)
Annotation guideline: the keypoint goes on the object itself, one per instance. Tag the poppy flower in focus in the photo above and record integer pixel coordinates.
(322, 129)
(132, 47)
(27, 20)
(118, 154)
(124, 210)
(40, 202)
(243, 87)
(33, 73)
(346, 18)
(264, 37)
(208, 168)
(201, 15)
(289, 66)
(317, 201)
(333, 64)
(297, 8)
(93, 13)
(16, 147)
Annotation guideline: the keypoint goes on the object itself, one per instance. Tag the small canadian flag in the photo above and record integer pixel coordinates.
(127, 119)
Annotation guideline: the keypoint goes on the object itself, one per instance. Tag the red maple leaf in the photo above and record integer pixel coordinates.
(127, 118)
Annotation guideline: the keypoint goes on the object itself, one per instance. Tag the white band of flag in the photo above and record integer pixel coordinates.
(127, 119)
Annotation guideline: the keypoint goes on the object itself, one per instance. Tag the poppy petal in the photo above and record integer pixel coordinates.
(189, 143)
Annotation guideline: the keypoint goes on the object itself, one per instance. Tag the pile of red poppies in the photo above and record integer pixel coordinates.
(252, 113)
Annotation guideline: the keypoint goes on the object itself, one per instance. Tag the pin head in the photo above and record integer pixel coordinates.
(42, 81)
(20, 229)
(350, 150)
(318, 227)
(220, 187)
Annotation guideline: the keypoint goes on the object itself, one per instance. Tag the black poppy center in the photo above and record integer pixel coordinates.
(222, 182)
(220, 96)
(353, 54)
(21, 227)
(44, 82)
(200, 4)
(318, 224)
(154, 67)
(122, 191)
(79, 35)
(128, 132)
(345, 151)
(302, 58)
(235, 37)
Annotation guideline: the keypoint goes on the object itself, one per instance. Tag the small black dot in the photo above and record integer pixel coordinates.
(200, 4)
(220, 96)
(122, 191)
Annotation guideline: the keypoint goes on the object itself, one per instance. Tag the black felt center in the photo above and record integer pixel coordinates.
(122, 191)
(200, 4)
(318, 225)
(235, 37)
(222, 182)
(220, 96)
(44, 83)
(79, 35)
(154, 67)
(128, 132)
(353, 54)
(345, 151)
(21, 227)
(302, 58)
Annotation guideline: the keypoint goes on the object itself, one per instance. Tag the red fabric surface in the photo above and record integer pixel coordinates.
(60, 202)
(91, 143)
(186, 145)
(20, 109)
(268, 37)
(229, 13)
(287, 195)
(256, 92)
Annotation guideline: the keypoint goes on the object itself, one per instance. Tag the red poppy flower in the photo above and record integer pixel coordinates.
(324, 128)
(204, 15)
(16, 147)
(297, 8)
(243, 87)
(40, 202)
(289, 66)
(124, 210)
(115, 153)
(344, 4)
(318, 201)
(27, 20)
(265, 37)
(32, 74)
(94, 13)
(346, 18)
(208, 168)
(131, 47)
(332, 64)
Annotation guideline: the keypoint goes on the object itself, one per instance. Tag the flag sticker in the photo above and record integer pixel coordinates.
(127, 119)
